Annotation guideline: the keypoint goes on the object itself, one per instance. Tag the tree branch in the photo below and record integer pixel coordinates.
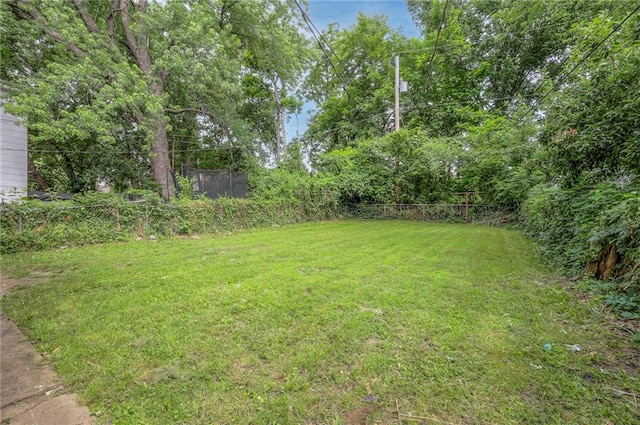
(91, 23)
(86, 18)
(36, 16)
(131, 41)
(111, 20)
(35, 176)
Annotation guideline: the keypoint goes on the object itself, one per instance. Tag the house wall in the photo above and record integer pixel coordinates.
(13, 158)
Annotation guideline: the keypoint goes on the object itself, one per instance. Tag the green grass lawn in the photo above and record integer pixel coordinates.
(325, 323)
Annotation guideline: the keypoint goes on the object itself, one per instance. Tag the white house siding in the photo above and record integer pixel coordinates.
(13, 158)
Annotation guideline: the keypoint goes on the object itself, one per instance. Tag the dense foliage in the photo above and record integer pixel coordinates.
(532, 105)
(594, 230)
(103, 218)
(126, 91)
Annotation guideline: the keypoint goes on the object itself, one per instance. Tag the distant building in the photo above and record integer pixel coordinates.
(13, 154)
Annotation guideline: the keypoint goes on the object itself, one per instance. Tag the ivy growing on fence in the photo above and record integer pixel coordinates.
(99, 218)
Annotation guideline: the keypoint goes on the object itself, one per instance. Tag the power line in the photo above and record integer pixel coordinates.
(98, 150)
(197, 140)
(593, 49)
(567, 74)
(553, 88)
(435, 46)
(308, 20)
(319, 38)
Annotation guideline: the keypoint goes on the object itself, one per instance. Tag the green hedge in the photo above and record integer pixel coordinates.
(34, 225)
(593, 231)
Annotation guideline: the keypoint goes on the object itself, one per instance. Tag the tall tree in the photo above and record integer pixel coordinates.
(445, 96)
(160, 62)
(513, 45)
(591, 131)
(352, 84)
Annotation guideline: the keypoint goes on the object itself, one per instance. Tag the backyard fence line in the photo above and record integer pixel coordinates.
(452, 212)
(54, 224)
(62, 223)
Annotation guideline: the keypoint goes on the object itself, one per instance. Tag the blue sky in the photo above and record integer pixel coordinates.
(345, 13)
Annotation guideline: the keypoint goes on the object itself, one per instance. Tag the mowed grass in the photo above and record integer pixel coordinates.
(356, 322)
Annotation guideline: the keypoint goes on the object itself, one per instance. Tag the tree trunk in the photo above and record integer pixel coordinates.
(35, 176)
(138, 45)
(603, 268)
(160, 163)
(281, 136)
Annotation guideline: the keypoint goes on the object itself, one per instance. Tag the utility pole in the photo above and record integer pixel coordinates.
(401, 87)
(397, 105)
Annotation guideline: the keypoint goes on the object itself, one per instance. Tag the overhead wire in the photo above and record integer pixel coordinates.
(435, 46)
(194, 139)
(517, 95)
(197, 141)
(319, 38)
(564, 76)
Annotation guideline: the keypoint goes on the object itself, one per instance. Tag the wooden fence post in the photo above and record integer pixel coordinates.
(466, 207)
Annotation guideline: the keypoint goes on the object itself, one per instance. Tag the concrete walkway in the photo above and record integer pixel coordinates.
(30, 391)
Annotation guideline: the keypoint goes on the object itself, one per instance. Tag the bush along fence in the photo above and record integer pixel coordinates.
(594, 231)
(38, 225)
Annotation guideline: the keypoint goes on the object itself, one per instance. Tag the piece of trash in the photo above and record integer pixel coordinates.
(369, 398)
(573, 347)
(547, 346)
(535, 366)
(48, 393)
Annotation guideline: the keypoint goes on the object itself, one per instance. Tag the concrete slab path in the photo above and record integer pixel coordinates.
(30, 391)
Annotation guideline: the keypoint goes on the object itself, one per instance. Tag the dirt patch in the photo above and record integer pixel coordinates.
(359, 416)
(373, 342)
(9, 283)
(42, 273)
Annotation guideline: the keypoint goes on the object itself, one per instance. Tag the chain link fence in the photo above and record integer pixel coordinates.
(459, 213)
(34, 226)
(50, 224)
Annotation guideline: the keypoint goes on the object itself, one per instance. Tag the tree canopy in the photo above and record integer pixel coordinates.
(118, 90)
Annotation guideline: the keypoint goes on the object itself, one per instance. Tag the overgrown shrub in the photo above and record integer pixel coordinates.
(98, 218)
(594, 231)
